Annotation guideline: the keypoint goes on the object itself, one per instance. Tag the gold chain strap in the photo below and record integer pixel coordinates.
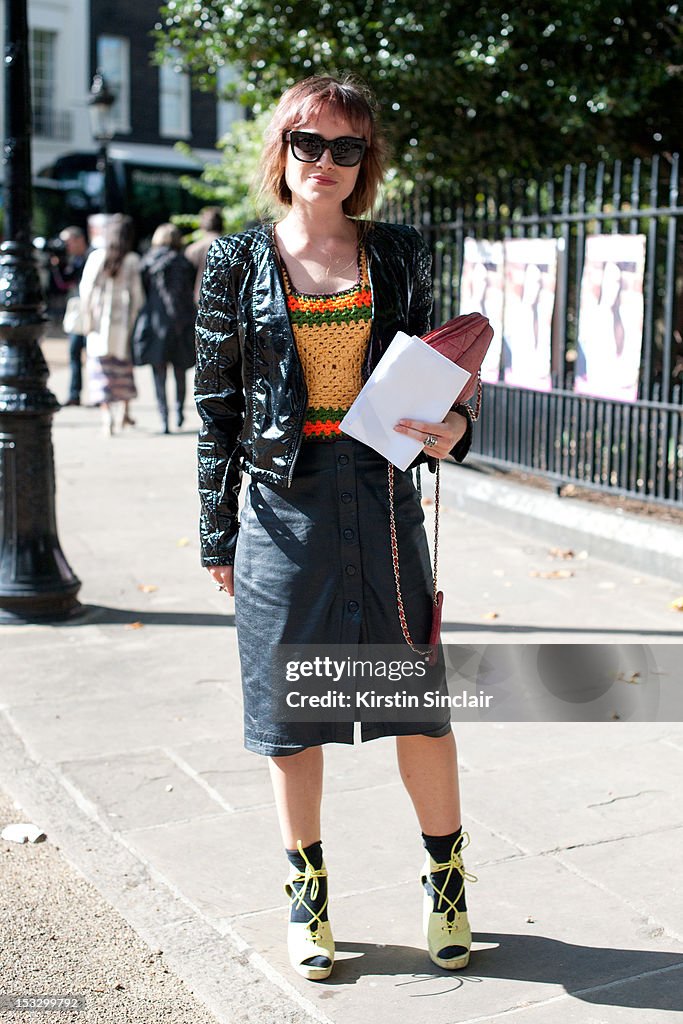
(473, 414)
(394, 554)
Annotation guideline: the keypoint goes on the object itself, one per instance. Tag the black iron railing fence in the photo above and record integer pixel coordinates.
(629, 448)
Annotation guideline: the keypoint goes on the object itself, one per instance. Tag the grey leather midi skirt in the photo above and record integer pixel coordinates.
(313, 566)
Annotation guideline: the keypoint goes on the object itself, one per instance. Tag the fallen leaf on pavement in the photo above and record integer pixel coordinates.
(133, 625)
(561, 553)
(677, 605)
(183, 542)
(490, 615)
(623, 678)
(555, 574)
(147, 588)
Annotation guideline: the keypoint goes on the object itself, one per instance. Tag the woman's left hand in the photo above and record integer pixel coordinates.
(447, 434)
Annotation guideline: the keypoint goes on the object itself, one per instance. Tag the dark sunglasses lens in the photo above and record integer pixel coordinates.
(347, 152)
(306, 147)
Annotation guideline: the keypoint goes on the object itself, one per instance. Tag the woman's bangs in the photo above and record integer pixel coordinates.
(338, 106)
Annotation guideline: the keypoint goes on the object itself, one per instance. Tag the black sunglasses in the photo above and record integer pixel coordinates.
(309, 147)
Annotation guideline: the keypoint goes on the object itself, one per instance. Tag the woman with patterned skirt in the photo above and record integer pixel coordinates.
(111, 296)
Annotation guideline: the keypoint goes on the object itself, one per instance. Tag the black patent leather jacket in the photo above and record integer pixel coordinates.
(249, 382)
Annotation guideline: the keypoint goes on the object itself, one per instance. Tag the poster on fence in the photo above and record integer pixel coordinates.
(611, 317)
(530, 275)
(482, 291)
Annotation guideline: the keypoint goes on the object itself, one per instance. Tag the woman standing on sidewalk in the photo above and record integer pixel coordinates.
(293, 317)
(111, 298)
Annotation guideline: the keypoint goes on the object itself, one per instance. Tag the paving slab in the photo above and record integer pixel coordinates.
(122, 721)
(213, 861)
(638, 870)
(587, 799)
(142, 789)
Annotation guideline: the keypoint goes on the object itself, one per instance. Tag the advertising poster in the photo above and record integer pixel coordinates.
(530, 275)
(482, 291)
(611, 317)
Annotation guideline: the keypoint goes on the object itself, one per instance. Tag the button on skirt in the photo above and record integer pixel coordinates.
(313, 566)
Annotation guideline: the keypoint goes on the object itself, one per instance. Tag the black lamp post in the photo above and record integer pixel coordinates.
(36, 582)
(100, 102)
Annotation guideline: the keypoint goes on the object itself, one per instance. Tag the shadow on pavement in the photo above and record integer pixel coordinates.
(502, 627)
(599, 975)
(101, 615)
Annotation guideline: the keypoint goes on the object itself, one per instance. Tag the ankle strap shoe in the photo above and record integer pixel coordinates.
(447, 930)
(310, 944)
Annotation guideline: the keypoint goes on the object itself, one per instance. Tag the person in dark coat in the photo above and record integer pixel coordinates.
(164, 332)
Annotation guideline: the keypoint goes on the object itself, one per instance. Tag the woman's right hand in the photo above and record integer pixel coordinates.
(224, 577)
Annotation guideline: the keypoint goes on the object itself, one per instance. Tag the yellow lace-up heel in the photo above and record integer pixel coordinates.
(310, 944)
(447, 931)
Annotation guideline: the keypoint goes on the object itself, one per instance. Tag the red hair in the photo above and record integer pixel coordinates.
(343, 98)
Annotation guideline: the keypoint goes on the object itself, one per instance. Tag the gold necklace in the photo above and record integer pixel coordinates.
(337, 270)
(328, 270)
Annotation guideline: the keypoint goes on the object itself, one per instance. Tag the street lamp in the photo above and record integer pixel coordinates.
(36, 581)
(100, 103)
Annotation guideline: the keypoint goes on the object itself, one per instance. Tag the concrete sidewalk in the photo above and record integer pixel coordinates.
(121, 736)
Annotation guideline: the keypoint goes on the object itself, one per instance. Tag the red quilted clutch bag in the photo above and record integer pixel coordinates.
(464, 340)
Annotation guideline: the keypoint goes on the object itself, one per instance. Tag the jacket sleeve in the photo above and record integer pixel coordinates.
(460, 450)
(420, 316)
(220, 402)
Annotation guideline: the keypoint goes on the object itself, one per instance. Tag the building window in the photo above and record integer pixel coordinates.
(113, 60)
(227, 111)
(174, 102)
(47, 121)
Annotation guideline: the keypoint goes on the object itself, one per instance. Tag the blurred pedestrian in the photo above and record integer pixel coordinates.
(77, 252)
(111, 298)
(211, 226)
(164, 332)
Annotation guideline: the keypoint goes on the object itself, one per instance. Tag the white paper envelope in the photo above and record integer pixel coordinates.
(410, 381)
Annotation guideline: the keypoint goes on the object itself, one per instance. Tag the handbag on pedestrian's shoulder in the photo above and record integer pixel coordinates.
(73, 321)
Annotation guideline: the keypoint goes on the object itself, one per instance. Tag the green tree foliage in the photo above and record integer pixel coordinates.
(460, 86)
(229, 184)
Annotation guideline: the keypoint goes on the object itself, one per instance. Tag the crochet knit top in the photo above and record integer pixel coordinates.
(331, 333)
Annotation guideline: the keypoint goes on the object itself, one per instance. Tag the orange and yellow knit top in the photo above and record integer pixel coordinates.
(331, 334)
